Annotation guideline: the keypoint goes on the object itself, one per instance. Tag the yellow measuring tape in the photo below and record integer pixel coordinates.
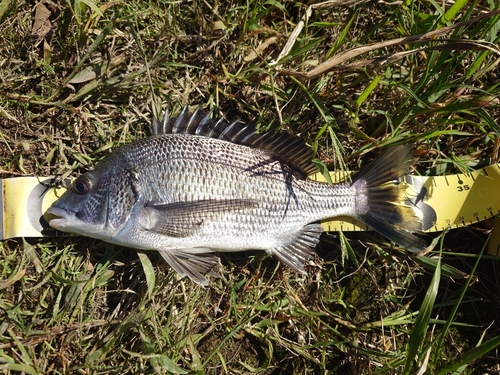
(446, 201)
(457, 200)
(23, 201)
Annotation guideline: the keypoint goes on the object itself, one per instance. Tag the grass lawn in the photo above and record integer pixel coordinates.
(79, 78)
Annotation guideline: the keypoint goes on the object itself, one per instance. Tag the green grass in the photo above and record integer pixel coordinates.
(69, 97)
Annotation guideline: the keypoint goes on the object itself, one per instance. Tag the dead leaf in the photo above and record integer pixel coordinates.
(47, 13)
(42, 24)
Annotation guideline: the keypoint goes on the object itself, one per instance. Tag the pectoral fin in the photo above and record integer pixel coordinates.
(183, 219)
(192, 263)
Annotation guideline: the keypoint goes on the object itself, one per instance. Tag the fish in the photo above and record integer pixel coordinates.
(201, 185)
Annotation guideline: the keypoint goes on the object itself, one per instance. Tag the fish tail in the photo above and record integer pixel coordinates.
(382, 202)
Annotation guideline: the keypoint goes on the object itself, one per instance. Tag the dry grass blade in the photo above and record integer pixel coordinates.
(9, 282)
(300, 25)
(335, 62)
(455, 45)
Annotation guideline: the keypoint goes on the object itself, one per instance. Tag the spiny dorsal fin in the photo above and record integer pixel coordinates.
(288, 148)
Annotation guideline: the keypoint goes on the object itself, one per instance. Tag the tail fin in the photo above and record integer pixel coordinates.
(381, 202)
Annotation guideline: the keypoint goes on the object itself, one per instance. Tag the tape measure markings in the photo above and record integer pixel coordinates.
(456, 200)
(452, 201)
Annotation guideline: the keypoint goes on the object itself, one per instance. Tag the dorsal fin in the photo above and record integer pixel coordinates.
(288, 148)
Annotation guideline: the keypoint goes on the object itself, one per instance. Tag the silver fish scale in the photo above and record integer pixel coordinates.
(185, 168)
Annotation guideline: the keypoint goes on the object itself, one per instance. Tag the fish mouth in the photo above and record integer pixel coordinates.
(62, 217)
(66, 220)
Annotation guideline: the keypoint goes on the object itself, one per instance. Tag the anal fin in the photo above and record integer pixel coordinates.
(300, 249)
(192, 263)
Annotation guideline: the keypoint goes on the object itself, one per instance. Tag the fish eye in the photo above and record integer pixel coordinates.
(82, 185)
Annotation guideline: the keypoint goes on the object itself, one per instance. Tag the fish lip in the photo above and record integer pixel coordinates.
(60, 212)
(62, 216)
(66, 221)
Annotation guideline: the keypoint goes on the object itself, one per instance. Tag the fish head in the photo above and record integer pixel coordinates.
(95, 204)
(83, 208)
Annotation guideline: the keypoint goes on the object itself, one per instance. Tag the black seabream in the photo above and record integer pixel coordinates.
(199, 186)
